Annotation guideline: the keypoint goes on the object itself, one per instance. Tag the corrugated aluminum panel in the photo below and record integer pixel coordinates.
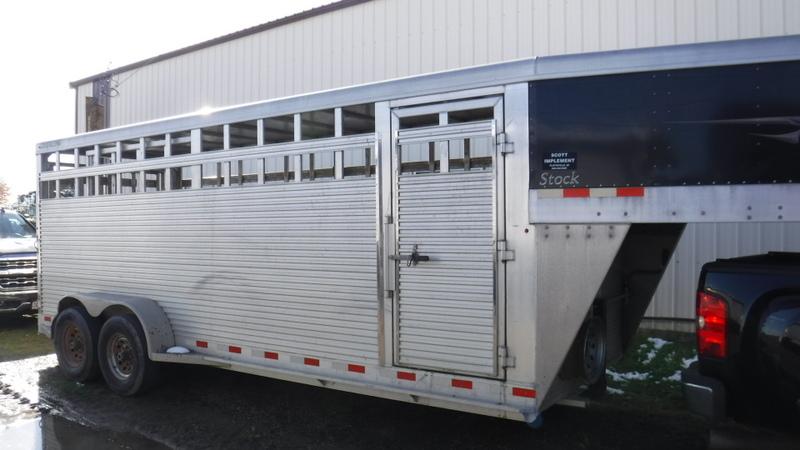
(701, 243)
(386, 39)
(446, 306)
(285, 267)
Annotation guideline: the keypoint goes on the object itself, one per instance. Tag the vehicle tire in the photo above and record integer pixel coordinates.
(75, 337)
(122, 353)
(593, 355)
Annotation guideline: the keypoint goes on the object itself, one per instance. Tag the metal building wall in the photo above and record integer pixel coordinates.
(706, 242)
(385, 39)
(393, 38)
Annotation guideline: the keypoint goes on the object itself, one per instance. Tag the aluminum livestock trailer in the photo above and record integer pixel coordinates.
(483, 240)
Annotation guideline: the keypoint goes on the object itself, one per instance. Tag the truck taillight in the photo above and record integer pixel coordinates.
(712, 322)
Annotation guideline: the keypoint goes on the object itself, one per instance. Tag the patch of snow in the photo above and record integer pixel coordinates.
(627, 376)
(658, 342)
(674, 377)
(649, 357)
(688, 361)
(614, 391)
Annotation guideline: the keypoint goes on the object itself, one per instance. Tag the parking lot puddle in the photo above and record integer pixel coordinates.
(25, 422)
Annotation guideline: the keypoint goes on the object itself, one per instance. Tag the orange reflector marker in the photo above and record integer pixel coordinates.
(311, 362)
(270, 355)
(357, 368)
(630, 192)
(47, 318)
(576, 192)
(463, 384)
(523, 392)
(234, 349)
(202, 344)
(409, 376)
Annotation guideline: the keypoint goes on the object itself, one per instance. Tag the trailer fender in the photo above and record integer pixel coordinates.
(156, 326)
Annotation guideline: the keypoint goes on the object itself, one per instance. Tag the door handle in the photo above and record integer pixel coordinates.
(413, 259)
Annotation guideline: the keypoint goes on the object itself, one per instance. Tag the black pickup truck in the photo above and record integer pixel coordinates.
(748, 337)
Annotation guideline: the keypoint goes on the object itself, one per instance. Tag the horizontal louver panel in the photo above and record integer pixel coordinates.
(446, 306)
(286, 267)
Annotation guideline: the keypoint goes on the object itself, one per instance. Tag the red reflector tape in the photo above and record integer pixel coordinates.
(630, 192)
(202, 344)
(463, 384)
(576, 192)
(409, 376)
(523, 392)
(311, 362)
(234, 349)
(270, 355)
(357, 368)
(47, 318)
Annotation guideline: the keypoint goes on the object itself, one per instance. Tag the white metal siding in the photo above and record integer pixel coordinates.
(287, 267)
(386, 39)
(446, 311)
(706, 242)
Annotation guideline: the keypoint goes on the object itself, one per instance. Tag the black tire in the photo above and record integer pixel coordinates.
(593, 356)
(75, 337)
(122, 354)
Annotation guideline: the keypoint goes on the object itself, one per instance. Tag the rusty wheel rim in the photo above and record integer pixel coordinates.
(121, 356)
(74, 346)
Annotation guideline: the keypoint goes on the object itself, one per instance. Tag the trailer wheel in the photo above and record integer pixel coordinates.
(75, 340)
(123, 356)
(594, 351)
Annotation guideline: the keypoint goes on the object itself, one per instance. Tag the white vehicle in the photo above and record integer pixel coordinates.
(483, 240)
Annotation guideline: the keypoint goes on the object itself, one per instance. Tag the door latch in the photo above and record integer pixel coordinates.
(413, 259)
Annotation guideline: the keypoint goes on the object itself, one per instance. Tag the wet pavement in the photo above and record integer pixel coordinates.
(201, 407)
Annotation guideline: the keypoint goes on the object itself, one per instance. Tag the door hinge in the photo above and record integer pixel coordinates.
(503, 145)
(506, 360)
(503, 253)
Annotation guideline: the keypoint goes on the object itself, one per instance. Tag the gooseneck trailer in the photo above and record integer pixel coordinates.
(483, 240)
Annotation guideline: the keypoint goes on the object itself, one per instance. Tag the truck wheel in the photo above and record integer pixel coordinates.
(75, 340)
(594, 354)
(123, 356)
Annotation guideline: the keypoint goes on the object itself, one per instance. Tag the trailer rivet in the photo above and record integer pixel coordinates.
(598, 213)
(749, 208)
(780, 207)
(625, 214)
(749, 217)
(780, 217)
(702, 213)
(567, 235)
(526, 231)
(546, 236)
(674, 213)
